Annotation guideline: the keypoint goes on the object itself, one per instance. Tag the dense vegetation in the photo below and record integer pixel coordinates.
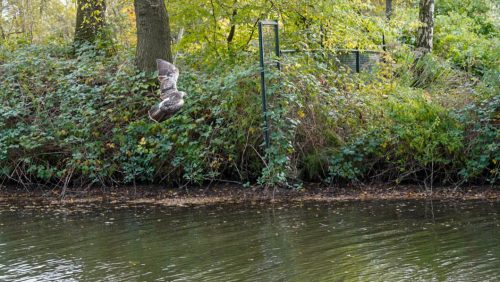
(76, 114)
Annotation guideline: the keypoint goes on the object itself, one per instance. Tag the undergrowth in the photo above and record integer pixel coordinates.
(79, 117)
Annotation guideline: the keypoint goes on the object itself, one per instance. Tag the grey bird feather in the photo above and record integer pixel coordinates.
(172, 99)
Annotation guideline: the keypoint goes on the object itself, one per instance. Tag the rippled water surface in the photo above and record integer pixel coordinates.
(357, 241)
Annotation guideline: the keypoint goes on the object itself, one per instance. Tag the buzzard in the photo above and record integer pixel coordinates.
(172, 99)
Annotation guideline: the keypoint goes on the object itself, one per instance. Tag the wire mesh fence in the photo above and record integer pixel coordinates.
(353, 59)
(358, 61)
(270, 56)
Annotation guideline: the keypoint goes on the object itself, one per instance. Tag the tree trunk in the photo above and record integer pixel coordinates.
(153, 34)
(388, 14)
(426, 32)
(388, 9)
(2, 32)
(90, 19)
(232, 31)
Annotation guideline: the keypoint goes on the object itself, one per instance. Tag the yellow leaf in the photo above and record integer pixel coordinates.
(301, 114)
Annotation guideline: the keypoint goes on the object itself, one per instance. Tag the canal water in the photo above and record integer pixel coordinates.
(352, 241)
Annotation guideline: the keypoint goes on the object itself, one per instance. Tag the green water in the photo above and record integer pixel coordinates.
(357, 241)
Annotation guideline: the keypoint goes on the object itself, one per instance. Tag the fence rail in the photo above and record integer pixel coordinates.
(355, 59)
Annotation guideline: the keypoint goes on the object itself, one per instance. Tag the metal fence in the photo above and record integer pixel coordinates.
(266, 50)
(270, 53)
(357, 60)
(353, 59)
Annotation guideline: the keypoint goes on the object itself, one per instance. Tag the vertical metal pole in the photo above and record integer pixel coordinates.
(357, 61)
(277, 47)
(263, 86)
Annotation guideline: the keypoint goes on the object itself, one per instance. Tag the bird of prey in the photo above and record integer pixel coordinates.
(172, 99)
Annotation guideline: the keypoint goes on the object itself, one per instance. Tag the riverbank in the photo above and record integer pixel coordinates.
(157, 195)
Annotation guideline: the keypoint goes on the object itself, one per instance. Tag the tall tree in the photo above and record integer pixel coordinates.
(2, 32)
(425, 33)
(153, 34)
(232, 31)
(90, 19)
(388, 14)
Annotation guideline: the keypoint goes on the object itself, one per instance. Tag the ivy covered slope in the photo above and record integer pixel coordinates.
(83, 118)
(78, 116)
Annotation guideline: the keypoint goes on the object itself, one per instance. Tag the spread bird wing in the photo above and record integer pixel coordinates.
(164, 67)
(167, 75)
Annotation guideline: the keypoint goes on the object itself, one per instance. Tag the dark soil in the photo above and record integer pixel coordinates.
(238, 194)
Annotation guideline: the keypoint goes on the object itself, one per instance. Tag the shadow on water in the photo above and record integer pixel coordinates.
(368, 241)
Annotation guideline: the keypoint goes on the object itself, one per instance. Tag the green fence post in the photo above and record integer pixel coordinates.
(358, 67)
(263, 86)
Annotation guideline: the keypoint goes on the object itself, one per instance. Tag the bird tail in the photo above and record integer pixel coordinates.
(155, 113)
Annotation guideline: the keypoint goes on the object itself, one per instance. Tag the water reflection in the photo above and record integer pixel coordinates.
(377, 241)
